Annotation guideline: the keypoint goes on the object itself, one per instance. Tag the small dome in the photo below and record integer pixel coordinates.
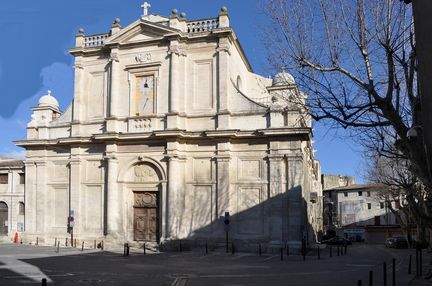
(283, 78)
(48, 101)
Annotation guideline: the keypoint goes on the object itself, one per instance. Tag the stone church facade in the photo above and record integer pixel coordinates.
(168, 130)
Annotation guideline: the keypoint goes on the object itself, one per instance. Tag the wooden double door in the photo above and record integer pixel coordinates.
(146, 216)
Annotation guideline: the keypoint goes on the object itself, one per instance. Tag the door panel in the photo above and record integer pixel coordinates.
(146, 220)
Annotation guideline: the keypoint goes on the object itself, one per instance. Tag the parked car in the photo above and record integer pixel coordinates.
(396, 242)
(337, 241)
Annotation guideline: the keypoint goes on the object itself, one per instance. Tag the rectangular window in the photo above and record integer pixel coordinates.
(369, 206)
(4, 179)
(345, 194)
(381, 205)
(360, 194)
(22, 179)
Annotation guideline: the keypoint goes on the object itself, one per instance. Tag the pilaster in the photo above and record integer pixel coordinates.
(41, 196)
(175, 90)
(112, 125)
(223, 83)
(276, 198)
(30, 197)
(78, 102)
(114, 200)
(75, 191)
(223, 160)
(296, 212)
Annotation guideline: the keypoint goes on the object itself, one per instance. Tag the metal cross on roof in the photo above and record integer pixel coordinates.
(146, 7)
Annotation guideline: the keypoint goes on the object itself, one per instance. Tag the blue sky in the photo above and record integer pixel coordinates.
(34, 58)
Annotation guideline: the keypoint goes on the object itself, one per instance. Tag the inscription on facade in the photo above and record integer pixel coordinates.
(145, 173)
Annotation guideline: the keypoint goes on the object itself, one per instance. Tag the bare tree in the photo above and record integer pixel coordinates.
(356, 61)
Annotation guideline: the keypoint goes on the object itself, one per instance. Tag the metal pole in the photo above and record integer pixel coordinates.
(359, 283)
(144, 248)
(417, 263)
(394, 272)
(259, 249)
(232, 248)
(58, 246)
(331, 251)
(287, 246)
(281, 254)
(409, 264)
(82, 246)
(44, 282)
(37, 240)
(206, 247)
(94, 244)
(421, 262)
(226, 241)
(180, 246)
(66, 243)
(385, 274)
(370, 278)
(55, 242)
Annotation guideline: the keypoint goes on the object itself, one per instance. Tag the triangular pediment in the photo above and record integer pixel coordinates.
(141, 31)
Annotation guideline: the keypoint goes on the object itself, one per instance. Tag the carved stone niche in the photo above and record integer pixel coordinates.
(145, 199)
(145, 174)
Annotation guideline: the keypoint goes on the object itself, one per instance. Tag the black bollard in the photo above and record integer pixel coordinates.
(385, 274)
(127, 249)
(206, 247)
(417, 263)
(144, 248)
(37, 240)
(44, 282)
(259, 249)
(331, 251)
(409, 264)
(55, 242)
(338, 252)
(420, 262)
(66, 243)
(371, 278)
(180, 246)
(102, 245)
(58, 246)
(124, 249)
(232, 248)
(319, 256)
(287, 246)
(75, 242)
(359, 283)
(94, 244)
(281, 254)
(346, 248)
(82, 246)
(394, 272)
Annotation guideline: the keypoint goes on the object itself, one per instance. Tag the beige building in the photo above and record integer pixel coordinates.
(169, 129)
(11, 198)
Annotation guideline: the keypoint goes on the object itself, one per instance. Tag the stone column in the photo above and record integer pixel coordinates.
(41, 196)
(175, 86)
(114, 199)
(30, 198)
(223, 183)
(75, 194)
(172, 197)
(276, 199)
(78, 103)
(114, 92)
(224, 83)
(296, 211)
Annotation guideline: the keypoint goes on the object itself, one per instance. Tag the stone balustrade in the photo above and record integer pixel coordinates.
(95, 40)
(204, 25)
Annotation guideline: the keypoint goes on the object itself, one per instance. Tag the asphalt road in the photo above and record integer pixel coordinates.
(27, 265)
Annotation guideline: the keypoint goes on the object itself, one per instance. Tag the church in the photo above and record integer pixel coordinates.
(171, 135)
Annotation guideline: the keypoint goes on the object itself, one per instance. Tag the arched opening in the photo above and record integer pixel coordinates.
(3, 219)
(143, 196)
(21, 208)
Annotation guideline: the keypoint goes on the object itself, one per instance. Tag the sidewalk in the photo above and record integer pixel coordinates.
(427, 270)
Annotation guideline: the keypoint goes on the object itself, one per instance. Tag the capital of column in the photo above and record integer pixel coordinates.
(78, 66)
(223, 47)
(114, 57)
(110, 158)
(74, 162)
(176, 50)
(223, 158)
(275, 157)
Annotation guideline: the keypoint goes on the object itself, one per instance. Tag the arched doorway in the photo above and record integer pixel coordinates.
(143, 195)
(3, 219)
